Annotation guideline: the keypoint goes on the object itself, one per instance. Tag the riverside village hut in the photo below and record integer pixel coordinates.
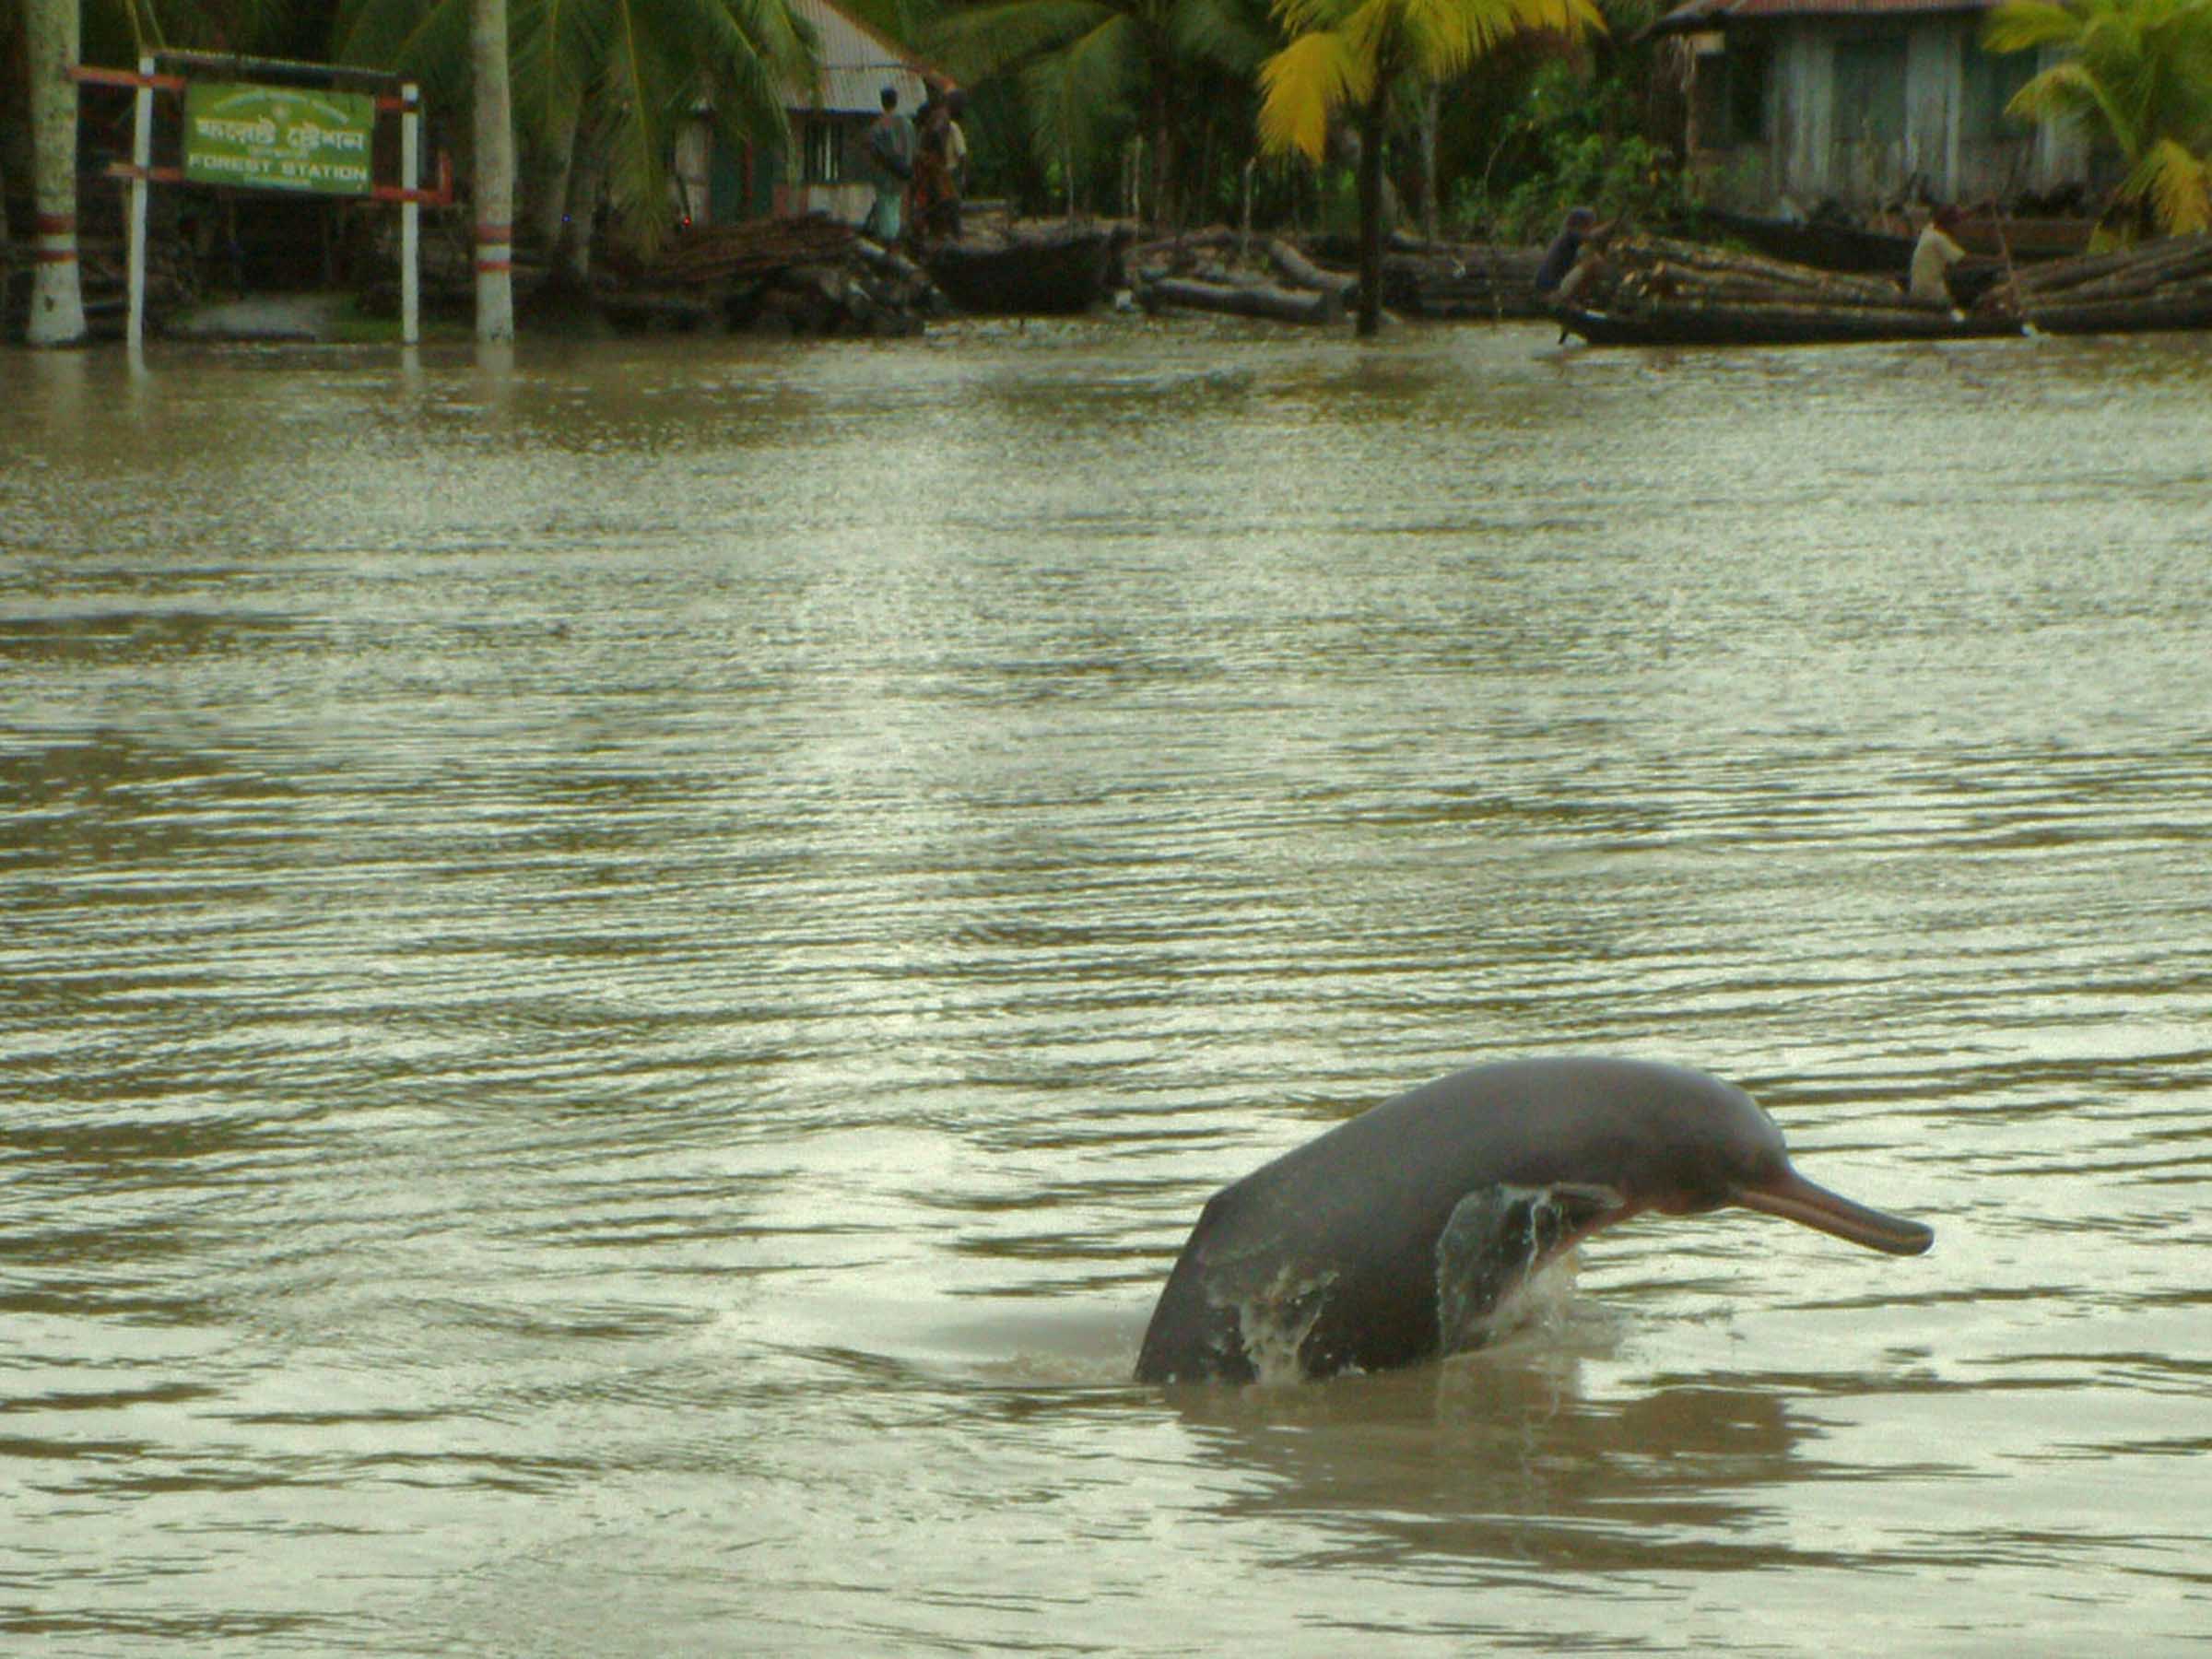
(1861, 102)
(719, 183)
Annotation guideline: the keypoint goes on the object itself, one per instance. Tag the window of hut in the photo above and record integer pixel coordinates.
(825, 152)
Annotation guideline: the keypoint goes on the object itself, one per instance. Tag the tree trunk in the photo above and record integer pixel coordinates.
(1163, 134)
(584, 184)
(1432, 100)
(1371, 208)
(495, 170)
(556, 162)
(567, 219)
(57, 300)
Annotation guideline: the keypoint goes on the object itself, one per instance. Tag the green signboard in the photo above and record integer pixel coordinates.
(277, 138)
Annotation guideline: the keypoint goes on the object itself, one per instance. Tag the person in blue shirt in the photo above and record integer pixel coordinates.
(890, 165)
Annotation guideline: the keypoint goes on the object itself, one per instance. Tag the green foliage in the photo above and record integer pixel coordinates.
(2138, 73)
(619, 76)
(1341, 52)
(1570, 141)
(1093, 74)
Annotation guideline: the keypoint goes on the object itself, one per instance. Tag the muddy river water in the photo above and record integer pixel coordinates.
(622, 968)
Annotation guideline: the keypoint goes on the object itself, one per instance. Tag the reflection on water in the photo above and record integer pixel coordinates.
(622, 975)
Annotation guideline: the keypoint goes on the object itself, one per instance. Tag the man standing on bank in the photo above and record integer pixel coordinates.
(890, 165)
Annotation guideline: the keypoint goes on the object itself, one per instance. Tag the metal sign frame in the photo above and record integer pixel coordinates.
(402, 97)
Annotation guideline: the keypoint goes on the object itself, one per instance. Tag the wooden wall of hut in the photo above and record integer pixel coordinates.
(1864, 110)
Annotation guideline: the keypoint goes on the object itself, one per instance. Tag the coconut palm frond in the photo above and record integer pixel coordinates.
(748, 52)
(2069, 92)
(1074, 95)
(428, 41)
(554, 49)
(1296, 17)
(1230, 34)
(1445, 36)
(631, 122)
(245, 26)
(907, 22)
(2178, 186)
(2141, 69)
(1300, 85)
(2020, 25)
(753, 53)
(975, 45)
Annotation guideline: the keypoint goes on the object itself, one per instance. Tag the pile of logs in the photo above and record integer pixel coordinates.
(2157, 284)
(1220, 270)
(722, 255)
(1642, 270)
(1448, 281)
(808, 276)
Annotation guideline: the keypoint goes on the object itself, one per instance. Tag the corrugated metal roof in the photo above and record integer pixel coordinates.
(857, 64)
(1714, 14)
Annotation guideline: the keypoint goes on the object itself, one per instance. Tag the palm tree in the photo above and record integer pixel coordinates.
(2141, 72)
(57, 303)
(1354, 54)
(494, 170)
(1084, 62)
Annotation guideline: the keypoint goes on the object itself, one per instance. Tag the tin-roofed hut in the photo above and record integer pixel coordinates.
(1861, 102)
(719, 183)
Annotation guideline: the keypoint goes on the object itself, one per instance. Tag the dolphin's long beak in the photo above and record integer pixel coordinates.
(1793, 1197)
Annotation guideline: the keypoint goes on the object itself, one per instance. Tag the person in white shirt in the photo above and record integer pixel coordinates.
(1932, 257)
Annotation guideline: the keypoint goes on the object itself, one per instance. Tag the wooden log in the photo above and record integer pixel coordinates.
(1699, 257)
(1181, 250)
(2064, 275)
(2143, 277)
(1302, 272)
(1243, 299)
(1666, 283)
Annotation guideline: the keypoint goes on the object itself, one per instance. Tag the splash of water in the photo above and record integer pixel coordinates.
(1487, 1258)
(1275, 1323)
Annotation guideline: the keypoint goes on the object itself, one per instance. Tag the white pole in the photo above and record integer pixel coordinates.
(142, 158)
(411, 214)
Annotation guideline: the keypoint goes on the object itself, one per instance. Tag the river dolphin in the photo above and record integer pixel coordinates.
(1392, 1238)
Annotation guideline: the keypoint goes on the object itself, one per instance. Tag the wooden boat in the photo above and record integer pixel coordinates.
(2148, 314)
(1042, 270)
(1705, 324)
(1651, 291)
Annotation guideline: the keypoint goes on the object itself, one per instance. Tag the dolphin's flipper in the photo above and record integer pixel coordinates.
(1495, 1238)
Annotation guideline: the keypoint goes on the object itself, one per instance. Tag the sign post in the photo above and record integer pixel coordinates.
(142, 157)
(304, 139)
(410, 212)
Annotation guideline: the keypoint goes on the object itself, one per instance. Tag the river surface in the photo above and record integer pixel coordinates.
(622, 968)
